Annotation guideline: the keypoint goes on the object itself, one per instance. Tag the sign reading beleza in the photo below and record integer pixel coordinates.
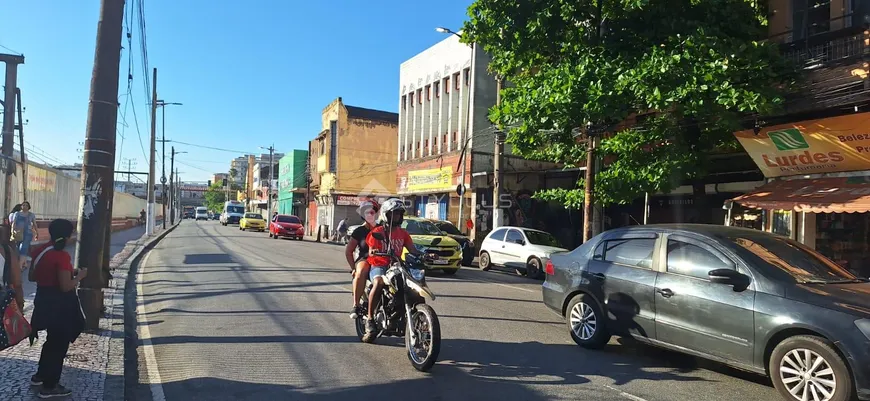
(436, 180)
(811, 147)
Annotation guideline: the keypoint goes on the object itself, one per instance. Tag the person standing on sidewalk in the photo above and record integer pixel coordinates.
(15, 209)
(11, 276)
(24, 231)
(56, 307)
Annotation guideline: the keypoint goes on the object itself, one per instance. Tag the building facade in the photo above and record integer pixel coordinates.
(354, 156)
(446, 140)
(293, 183)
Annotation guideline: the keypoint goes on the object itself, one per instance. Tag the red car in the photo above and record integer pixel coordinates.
(287, 226)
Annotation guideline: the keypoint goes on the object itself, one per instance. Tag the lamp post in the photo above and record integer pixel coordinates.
(271, 150)
(463, 154)
(172, 194)
(162, 104)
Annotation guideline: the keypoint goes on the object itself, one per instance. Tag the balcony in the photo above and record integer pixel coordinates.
(827, 49)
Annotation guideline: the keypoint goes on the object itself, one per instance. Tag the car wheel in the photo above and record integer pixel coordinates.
(808, 368)
(533, 268)
(484, 262)
(586, 322)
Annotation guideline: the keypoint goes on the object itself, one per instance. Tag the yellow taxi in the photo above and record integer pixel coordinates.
(252, 221)
(423, 232)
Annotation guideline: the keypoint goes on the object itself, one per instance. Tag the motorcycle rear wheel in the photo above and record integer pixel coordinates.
(424, 323)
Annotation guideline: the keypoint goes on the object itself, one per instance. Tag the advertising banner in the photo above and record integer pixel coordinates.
(40, 179)
(827, 145)
(433, 180)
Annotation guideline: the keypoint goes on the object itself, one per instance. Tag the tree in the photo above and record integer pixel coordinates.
(693, 69)
(215, 196)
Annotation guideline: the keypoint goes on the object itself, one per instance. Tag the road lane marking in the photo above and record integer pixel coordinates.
(626, 395)
(154, 381)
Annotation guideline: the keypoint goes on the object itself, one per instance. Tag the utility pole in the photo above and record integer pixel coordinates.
(496, 163)
(589, 187)
(163, 141)
(21, 142)
(98, 167)
(171, 187)
(149, 224)
(269, 182)
(12, 62)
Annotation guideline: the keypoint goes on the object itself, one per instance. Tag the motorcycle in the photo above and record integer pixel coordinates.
(403, 311)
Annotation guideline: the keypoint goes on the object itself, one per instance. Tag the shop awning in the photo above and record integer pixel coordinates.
(823, 195)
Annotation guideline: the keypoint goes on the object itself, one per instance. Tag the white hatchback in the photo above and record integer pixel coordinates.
(524, 249)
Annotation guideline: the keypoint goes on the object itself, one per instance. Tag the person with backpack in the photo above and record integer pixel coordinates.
(11, 277)
(56, 307)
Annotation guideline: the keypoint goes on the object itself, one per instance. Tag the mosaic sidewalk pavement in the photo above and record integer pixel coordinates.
(94, 367)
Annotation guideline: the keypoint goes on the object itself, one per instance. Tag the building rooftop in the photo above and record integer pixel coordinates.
(371, 114)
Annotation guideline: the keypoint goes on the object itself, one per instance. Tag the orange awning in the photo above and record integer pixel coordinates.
(823, 195)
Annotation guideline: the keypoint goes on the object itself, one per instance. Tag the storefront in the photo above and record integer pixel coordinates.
(818, 189)
(429, 188)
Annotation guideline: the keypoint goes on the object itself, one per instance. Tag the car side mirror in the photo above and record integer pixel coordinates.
(435, 242)
(378, 236)
(521, 242)
(597, 257)
(730, 277)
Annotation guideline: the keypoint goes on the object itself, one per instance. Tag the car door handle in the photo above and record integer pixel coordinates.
(666, 292)
(599, 276)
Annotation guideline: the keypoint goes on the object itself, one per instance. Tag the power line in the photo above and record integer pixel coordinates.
(13, 51)
(212, 148)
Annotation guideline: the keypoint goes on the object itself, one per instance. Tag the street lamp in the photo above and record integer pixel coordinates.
(172, 193)
(161, 104)
(271, 150)
(463, 154)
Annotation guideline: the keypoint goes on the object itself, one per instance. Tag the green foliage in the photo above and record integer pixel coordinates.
(215, 196)
(700, 65)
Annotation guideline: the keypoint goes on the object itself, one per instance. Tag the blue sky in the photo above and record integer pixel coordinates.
(249, 73)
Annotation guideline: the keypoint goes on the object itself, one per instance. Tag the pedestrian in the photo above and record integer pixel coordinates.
(341, 232)
(24, 231)
(15, 209)
(56, 308)
(10, 277)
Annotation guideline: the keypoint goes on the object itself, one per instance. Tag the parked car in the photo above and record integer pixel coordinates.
(524, 249)
(465, 243)
(286, 226)
(424, 233)
(753, 300)
(252, 221)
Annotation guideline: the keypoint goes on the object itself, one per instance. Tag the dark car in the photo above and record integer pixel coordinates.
(466, 243)
(749, 299)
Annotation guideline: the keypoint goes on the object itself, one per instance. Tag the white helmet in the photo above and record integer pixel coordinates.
(390, 208)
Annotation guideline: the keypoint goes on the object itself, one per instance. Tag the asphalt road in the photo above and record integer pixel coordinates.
(234, 315)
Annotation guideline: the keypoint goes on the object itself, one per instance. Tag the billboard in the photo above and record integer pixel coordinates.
(39, 179)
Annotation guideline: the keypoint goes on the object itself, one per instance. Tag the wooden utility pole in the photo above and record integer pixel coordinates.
(496, 163)
(11, 61)
(589, 188)
(21, 142)
(149, 224)
(99, 161)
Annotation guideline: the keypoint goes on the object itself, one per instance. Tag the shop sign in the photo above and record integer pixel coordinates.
(347, 200)
(811, 147)
(40, 180)
(433, 180)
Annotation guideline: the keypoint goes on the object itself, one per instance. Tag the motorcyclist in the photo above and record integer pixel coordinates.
(359, 266)
(393, 213)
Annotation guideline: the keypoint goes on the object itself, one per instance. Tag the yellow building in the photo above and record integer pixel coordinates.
(355, 156)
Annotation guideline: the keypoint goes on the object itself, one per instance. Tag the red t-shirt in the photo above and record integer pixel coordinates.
(399, 237)
(48, 266)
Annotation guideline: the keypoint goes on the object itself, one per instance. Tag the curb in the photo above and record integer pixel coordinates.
(130, 373)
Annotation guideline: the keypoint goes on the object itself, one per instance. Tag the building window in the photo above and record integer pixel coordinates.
(810, 17)
(467, 76)
(444, 143)
(437, 89)
(333, 142)
(447, 85)
(454, 137)
(419, 96)
(428, 92)
(322, 147)
(456, 82)
(404, 102)
(426, 144)
(411, 98)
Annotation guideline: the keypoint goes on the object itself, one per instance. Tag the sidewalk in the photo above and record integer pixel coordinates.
(94, 368)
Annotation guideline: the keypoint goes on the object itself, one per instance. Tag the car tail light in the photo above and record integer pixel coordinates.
(549, 269)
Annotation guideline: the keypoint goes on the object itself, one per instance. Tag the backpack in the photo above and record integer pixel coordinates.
(14, 327)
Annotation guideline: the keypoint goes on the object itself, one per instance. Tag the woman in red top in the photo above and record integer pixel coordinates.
(56, 307)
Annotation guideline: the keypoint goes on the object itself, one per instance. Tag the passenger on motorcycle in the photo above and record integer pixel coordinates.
(393, 212)
(359, 266)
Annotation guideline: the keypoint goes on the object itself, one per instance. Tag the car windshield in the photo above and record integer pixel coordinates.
(800, 262)
(235, 209)
(289, 219)
(254, 216)
(448, 228)
(542, 238)
(421, 227)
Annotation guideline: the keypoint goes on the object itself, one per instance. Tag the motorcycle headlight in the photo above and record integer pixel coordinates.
(417, 274)
(864, 327)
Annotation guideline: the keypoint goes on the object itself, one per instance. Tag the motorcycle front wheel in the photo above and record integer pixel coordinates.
(423, 353)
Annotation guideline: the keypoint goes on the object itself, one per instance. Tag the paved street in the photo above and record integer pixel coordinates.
(238, 316)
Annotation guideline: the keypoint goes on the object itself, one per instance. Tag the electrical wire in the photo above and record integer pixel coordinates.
(17, 53)
(212, 148)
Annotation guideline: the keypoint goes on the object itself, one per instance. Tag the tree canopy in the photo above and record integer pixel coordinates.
(693, 70)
